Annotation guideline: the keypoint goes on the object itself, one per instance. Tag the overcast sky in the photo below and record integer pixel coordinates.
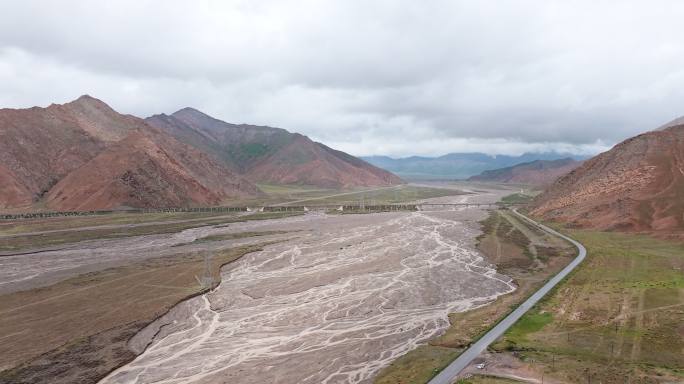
(369, 77)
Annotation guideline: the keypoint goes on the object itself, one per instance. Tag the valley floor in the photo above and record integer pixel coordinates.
(77, 293)
(336, 305)
(386, 297)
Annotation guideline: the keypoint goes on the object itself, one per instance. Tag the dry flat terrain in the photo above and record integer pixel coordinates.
(310, 195)
(335, 305)
(76, 330)
(66, 315)
(78, 293)
(518, 250)
(619, 318)
(22, 243)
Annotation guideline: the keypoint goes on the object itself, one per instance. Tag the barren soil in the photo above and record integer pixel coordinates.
(339, 303)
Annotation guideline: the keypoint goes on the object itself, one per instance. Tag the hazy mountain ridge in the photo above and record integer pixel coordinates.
(538, 172)
(455, 165)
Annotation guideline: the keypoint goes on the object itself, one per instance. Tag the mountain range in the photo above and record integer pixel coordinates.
(538, 172)
(455, 165)
(271, 155)
(83, 155)
(638, 185)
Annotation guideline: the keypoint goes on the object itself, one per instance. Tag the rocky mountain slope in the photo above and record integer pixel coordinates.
(271, 155)
(84, 155)
(538, 172)
(636, 186)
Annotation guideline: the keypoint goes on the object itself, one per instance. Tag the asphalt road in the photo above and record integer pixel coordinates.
(448, 375)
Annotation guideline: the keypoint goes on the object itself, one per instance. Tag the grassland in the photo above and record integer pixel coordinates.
(80, 230)
(76, 331)
(296, 195)
(395, 195)
(14, 227)
(232, 236)
(483, 379)
(520, 251)
(517, 198)
(281, 189)
(619, 318)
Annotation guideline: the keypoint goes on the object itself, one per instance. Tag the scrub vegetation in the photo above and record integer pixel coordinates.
(619, 318)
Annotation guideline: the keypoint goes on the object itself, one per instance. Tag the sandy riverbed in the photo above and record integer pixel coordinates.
(334, 305)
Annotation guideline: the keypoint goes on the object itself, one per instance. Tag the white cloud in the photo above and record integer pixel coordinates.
(383, 77)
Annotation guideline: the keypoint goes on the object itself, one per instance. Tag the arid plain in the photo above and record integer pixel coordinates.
(342, 300)
(324, 297)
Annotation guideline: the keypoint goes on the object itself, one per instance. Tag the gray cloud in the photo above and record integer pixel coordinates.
(383, 77)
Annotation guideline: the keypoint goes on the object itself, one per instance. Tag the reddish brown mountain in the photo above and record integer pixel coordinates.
(636, 186)
(271, 155)
(85, 155)
(39, 146)
(538, 172)
(148, 169)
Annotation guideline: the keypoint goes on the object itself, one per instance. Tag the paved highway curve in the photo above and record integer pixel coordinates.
(448, 375)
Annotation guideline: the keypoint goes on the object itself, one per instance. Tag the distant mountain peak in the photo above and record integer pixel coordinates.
(87, 97)
(190, 111)
(87, 100)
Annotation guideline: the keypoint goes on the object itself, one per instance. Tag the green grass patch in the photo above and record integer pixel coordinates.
(619, 314)
(517, 198)
(483, 379)
(417, 366)
(231, 236)
(254, 149)
(529, 323)
(281, 189)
